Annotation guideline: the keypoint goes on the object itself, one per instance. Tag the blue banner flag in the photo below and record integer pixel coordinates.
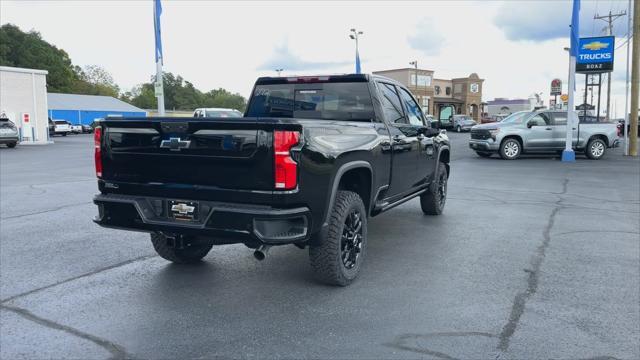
(575, 28)
(357, 62)
(157, 11)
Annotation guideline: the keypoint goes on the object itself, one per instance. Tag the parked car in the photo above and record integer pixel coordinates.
(539, 132)
(61, 127)
(312, 161)
(75, 128)
(8, 133)
(492, 119)
(463, 123)
(217, 113)
(86, 129)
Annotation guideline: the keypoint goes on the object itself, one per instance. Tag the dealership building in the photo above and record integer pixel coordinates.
(84, 109)
(441, 98)
(23, 100)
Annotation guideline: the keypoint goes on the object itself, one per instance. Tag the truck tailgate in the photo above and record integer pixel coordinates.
(222, 153)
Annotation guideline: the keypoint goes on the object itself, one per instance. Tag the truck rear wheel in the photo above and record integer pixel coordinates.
(189, 253)
(12, 145)
(433, 200)
(338, 258)
(596, 149)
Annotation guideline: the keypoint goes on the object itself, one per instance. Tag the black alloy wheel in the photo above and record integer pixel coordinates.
(351, 241)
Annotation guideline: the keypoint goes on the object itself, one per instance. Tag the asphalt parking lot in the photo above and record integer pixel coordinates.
(533, 258)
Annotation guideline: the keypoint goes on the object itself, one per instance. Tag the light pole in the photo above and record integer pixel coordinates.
(279, 71)
(415, 65)
(354, 36)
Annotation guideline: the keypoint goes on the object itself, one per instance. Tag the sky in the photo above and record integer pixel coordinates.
(516, 46)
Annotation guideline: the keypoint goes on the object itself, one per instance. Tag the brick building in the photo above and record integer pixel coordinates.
(440, 97)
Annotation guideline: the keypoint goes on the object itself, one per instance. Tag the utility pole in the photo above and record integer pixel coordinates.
(279, 70)
(609, 19)
(635, 79)
(626, 84)
(415, 65)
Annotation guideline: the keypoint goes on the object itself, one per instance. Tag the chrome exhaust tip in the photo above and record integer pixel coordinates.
(261, 252)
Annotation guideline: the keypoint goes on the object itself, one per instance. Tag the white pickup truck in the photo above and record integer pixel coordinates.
(540, 132)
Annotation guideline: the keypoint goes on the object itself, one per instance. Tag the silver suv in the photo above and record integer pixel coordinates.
(538, 132)
(8, 133)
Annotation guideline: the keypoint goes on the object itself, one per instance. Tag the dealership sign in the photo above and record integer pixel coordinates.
(595, 54)
(556, 87)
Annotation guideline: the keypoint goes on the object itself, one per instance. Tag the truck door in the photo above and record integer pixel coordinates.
(559, 121)
(404, 141)
(539, 133)
(425, 161)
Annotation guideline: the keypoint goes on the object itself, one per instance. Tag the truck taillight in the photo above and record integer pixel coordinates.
(97, 153)
(286, 169)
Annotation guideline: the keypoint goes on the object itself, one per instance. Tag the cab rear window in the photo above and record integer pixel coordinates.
(326, 101)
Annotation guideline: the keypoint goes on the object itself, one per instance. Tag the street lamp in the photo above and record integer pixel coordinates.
(415, 65)
(354, 36)
(279, 71)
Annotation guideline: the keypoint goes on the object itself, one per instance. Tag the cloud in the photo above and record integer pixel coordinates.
(284, 59)
(545, 20)
(426, 38)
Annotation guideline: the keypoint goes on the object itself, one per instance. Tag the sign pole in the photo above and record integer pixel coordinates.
(568, 155)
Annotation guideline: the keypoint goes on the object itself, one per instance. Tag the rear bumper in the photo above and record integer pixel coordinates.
(224, 223)
(8, 140)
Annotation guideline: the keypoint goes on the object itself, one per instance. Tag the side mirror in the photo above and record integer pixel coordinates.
(530, 124)
(430, 132)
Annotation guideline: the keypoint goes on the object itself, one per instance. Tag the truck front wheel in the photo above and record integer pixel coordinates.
(187, 253)
(337, 259)
(432, 201)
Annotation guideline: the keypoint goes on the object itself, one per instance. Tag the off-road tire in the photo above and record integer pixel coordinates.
(596, 148)
(326, 257)
(12, 145)
(190, 254)
(510, 143)
(483, 154)
(434, 199)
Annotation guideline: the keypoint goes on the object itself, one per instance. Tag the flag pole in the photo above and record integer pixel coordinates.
(158, 85)
(568, 155)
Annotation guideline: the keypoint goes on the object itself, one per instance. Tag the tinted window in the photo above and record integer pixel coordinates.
(6, 125)
(539, 120)
(413, 110)
(330, 101)
(559, 118)
(391, 103)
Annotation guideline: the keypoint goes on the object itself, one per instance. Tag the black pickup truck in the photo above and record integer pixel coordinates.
(312, 159)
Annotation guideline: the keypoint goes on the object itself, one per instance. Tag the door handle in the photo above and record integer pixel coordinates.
(549, 129)
(573, 128)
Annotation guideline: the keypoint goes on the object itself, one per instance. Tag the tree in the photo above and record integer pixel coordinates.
(95, 80)
(28, 50)
(180, 94)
